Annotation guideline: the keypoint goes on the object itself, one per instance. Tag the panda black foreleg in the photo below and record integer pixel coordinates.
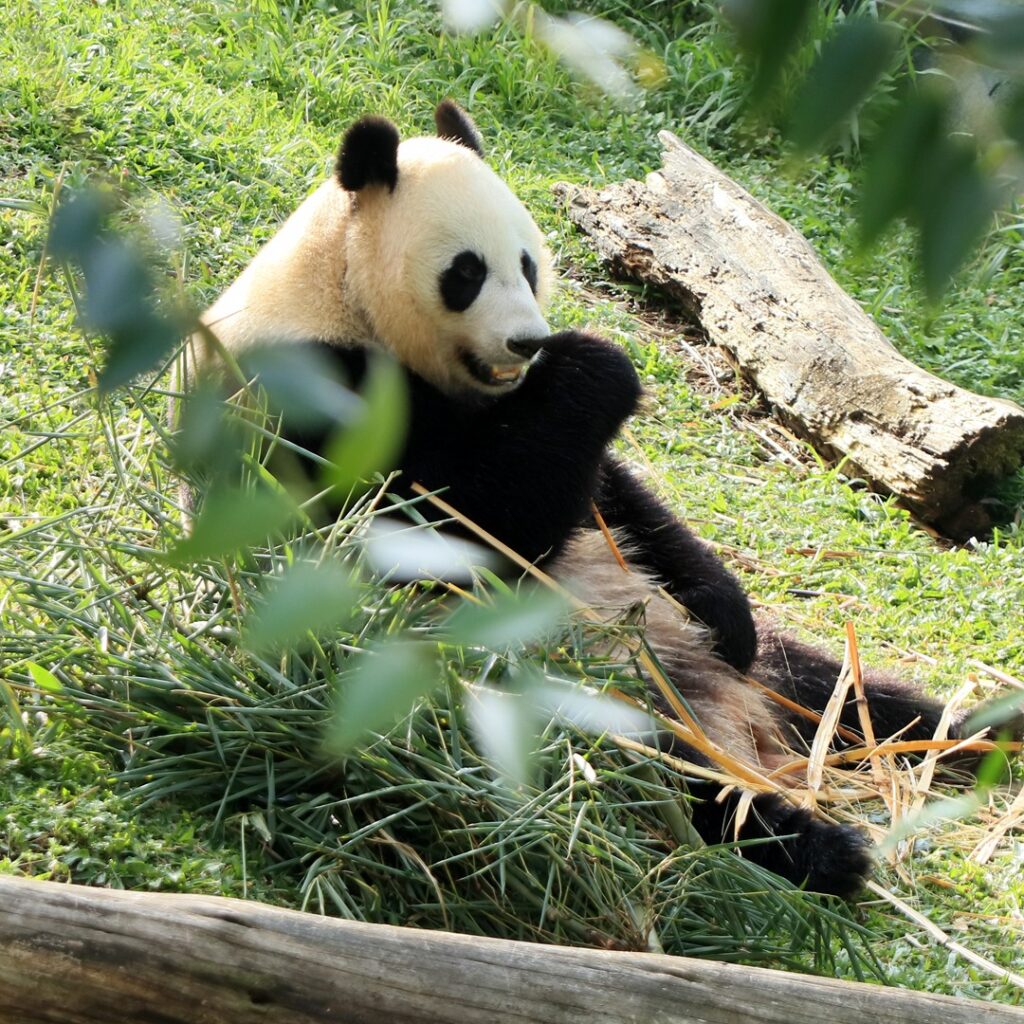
(690, 571)
(524, 465)
(808, 676)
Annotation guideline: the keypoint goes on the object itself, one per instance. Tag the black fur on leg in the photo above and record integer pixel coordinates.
(368, 155)
(818, 855)
(687, 567)
(808, 676)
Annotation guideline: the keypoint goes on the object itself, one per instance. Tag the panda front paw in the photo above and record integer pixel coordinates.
(725, 611)
(594, 376)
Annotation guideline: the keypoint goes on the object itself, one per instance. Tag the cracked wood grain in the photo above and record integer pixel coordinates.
(759, 291)
(76, 955)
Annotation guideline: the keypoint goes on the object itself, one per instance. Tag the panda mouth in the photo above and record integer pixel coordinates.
(491, 376)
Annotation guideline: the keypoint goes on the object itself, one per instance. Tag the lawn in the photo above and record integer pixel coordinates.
(214, 121)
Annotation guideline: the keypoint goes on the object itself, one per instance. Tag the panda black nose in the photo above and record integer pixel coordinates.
(525, 347)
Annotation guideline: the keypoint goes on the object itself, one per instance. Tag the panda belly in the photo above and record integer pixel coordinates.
(733, 715)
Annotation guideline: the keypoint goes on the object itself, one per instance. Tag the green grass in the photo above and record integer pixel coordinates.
(63, 820)
(223, 119)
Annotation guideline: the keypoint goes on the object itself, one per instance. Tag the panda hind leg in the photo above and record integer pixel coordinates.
(808, 677)
(771, 831)
(822, 856)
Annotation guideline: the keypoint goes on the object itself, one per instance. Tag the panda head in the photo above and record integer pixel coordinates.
(443, 262)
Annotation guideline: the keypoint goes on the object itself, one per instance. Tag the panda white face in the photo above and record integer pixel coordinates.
(418, 247)
(502, 324)
(449, 268)
(480, 280)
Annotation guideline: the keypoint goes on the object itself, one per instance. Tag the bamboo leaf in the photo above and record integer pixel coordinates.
(371, 443)
(504, 726)
(900, 156)
(954, 213)
(769, 31)
(302, 384)
(232, 518)
(303, 601)
(850, 63)
(120, 296)
(511, 618)
(44, 678)
(381, 689)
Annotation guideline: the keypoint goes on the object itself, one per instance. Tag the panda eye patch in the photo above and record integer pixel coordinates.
(462, 280)
(529, 271)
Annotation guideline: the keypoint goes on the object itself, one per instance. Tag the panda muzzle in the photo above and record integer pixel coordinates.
(525, 347)
(492, 375)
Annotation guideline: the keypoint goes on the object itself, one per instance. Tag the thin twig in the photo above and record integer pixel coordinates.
(998, 674)
(798, 709)
(931, 759)
(935, 932)
(901, 747)
(863, 709)
(607, 534)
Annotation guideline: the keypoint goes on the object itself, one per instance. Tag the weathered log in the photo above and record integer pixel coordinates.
(76, 955)
(758, 290)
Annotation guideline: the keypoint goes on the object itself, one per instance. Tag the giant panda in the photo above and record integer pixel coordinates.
(418, 248)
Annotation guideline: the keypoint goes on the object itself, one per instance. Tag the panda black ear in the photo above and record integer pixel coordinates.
(455, 124)
(368, 155)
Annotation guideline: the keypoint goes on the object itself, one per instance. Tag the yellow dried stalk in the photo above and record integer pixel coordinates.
(936, 933)
(826, 730)
(931, 759)
(858, 754)
(798, 709)
(686, 729)
(608, 538)
(1011, 819)
(863, 709)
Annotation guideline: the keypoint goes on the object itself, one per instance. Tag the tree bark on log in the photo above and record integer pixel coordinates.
(76, 955)
(757, 289)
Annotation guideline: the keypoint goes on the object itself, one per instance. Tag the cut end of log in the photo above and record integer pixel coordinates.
(956, 501)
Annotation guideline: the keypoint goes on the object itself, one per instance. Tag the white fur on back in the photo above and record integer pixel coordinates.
(292, 289)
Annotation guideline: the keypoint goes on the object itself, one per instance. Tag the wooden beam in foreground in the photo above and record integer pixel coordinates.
(78, 955)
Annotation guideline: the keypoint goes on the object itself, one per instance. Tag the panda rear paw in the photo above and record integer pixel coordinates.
(832, 859)
(820, 856)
